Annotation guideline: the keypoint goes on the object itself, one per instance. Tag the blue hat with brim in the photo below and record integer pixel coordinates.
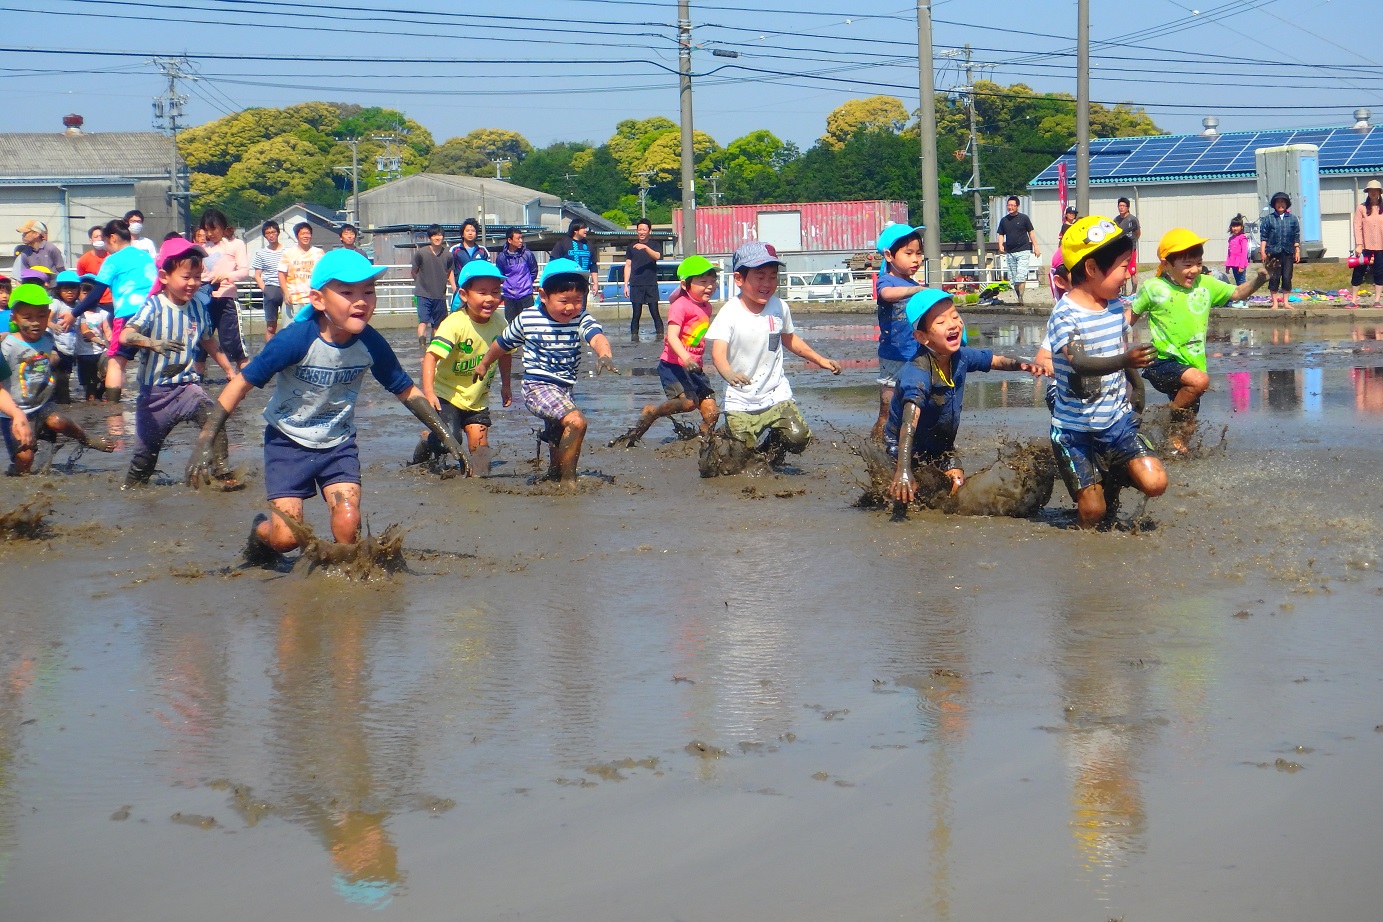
(889, 236)
(344, 266)
(922, 303)
(556, 267)
(67, 277)
(477, 269)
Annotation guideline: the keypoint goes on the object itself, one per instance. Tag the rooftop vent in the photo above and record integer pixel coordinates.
(1212, 127)
(73, 123)
(1361, 120)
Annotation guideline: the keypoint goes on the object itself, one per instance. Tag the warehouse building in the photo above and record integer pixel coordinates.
(1202, 180)
(807, 235)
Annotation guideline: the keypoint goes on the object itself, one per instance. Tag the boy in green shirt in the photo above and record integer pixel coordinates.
(450, 383)
(1177, 302)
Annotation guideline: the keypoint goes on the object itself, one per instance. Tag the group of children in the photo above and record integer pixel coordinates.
(317, 367)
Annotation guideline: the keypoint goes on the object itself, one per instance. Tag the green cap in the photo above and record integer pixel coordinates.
(30, 293)
(693, 266)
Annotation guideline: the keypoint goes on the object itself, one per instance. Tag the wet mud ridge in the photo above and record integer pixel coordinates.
(1018, 484)
(27, 522)
(367, 559)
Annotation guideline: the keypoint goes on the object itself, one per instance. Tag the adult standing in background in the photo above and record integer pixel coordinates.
(520, 269)
(577, 248)
(1368, 243)
(468, 249)
(89, 263)
(1127, 222)
(227, 264)
(42, 252)
(1017, 244)
(430, 270)
(265, 266)
(641, 280)
(349, 235)
(135, 219)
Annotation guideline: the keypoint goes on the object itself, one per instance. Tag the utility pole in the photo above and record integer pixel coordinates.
(498, 164)
(926, 125)
(571, 191)
(168, 114)
(715, 189)
(390, 163)
(688, 240)
(1083, 108)
(354, 170)
(975, 159)
(643, 192)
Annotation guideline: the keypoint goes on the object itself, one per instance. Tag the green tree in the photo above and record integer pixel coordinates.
(753, 167)
(474, 154)
(874, 114)
(632, 138)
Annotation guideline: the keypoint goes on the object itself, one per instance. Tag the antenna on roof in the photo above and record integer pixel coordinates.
(1361, 120)
(1212, 127)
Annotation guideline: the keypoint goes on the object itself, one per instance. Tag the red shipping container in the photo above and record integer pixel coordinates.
(797, 227)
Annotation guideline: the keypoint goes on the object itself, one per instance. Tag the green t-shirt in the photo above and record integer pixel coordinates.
(1179, 317)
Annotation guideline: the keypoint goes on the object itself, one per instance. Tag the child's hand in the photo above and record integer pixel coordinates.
(1262, 276)
(432, 399)
(1034, 369)
(1140, 356)
(506, 393)
(481, 371)
(831, 365)
(23, 435)
(605, 363)
(903, 488)
(739, 379)
(164, 346)
(695, 368)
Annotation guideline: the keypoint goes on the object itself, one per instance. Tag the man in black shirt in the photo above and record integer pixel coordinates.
(1017, 245)
(641, 280)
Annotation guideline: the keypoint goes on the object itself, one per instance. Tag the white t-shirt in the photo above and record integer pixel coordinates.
(147, 245)
(755, 348)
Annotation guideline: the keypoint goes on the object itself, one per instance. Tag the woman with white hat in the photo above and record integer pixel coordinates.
(1368, 242)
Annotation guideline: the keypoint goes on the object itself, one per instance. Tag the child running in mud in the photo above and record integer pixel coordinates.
(172, 323)
(1177, 303)
(924, 415)
(679, 367)
(748, 336)
(28, 356)
(551, 334)
(901, 246)
(1094, 429)
(317, 367)
(449, 379)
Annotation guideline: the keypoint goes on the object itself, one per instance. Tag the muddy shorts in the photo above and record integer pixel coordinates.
(749, 427)
(1084, 458)
(1165, 377)
(39, 428)
(681, 381)
(456, 419)
(547, 401)
(296, 471)
(889, 370)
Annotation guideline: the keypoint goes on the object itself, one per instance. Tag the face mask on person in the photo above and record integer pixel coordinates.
(98, 244)
(136, 226)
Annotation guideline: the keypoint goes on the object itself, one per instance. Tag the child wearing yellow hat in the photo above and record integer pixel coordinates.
(1177, 304)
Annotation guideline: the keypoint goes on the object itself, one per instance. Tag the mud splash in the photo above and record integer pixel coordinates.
(26, 522)
(1177, 435)
(1018, 484)
(370, 558)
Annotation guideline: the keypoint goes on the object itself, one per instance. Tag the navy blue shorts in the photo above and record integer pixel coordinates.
(680, 381)
(1165, 377)
(296, 471)
(1084, 458)
(432, 311)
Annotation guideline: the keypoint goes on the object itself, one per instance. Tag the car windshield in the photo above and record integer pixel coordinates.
(823, 278)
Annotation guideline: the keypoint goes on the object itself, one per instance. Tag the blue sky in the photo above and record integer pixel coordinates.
(570, 69)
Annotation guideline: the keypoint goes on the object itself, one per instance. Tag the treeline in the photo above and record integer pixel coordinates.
(256, 162)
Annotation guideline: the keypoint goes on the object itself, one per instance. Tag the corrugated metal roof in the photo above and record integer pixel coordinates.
(496, 189)
(1192, 157)
(128, 154)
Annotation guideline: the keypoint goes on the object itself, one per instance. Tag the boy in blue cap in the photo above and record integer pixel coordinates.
(551, 334)
(318, 367)
(63, 324)
(901, 246)
(449, 380)
(924, 415)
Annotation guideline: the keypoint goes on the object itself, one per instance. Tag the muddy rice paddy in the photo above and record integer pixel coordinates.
(665, 697)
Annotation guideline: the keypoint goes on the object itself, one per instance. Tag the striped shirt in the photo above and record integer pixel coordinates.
(187, 323)
(267, 261)
(552, 349)
(1100, 333)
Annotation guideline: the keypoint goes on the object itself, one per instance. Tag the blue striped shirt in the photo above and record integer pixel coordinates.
(552, 349)
(1100, 333)
(188, 323)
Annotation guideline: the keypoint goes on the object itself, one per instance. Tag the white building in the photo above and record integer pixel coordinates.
(1202, 181)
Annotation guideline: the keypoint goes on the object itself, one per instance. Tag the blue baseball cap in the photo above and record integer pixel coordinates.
(922, 303)
(754, 253)
(477, 269)
(67, 277)
(556, 267)
(889, 236)
(344, 266)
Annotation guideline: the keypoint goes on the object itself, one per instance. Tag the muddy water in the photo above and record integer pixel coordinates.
(674, 698)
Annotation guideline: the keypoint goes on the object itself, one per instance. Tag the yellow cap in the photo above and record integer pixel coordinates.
(1178, 239)
(1085, 237)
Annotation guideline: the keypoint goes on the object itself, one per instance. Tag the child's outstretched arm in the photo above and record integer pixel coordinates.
(130, 336)
(506, 390)
(1008, 363)
(604, 356)
(798, 346)
(1260, 278)
(903, 488)
(417, 403)
(204, 454)
(492, 355)
(212, 346)
(1082, 364)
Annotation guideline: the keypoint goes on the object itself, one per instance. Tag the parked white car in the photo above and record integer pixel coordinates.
(827, 285)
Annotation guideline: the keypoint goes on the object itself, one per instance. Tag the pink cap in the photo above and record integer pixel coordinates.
(172, 248)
